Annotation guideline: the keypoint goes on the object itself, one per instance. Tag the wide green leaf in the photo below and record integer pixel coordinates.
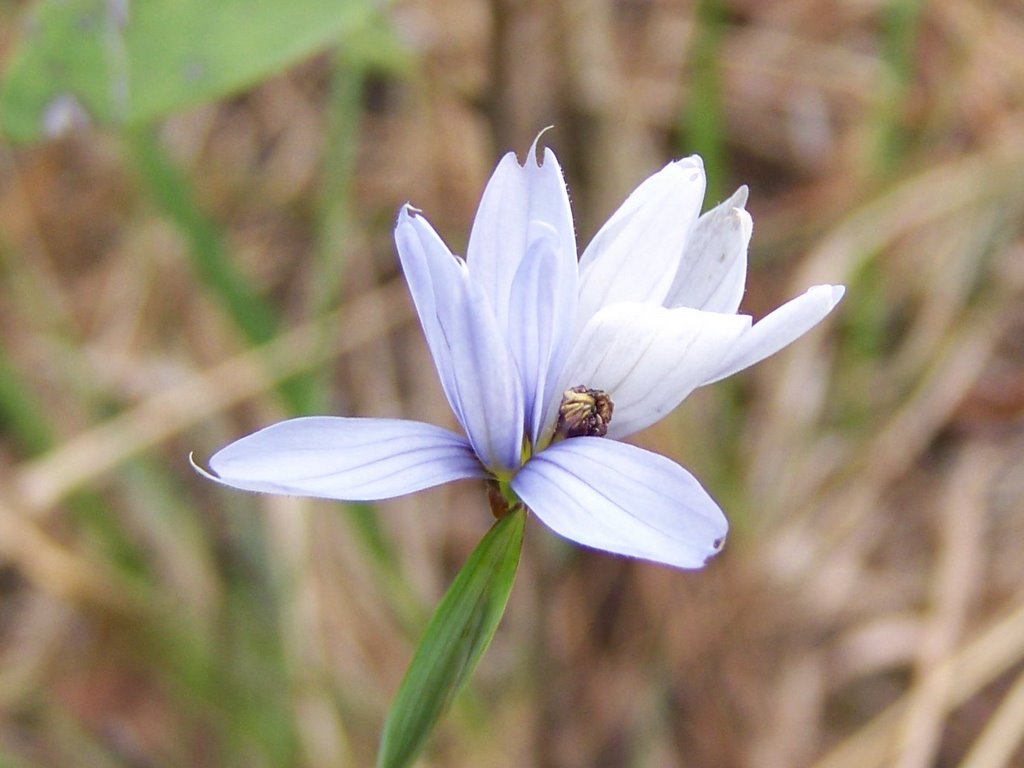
(457, 636)
(120, 62)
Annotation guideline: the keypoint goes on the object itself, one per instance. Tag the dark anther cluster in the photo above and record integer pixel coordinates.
(584, 412)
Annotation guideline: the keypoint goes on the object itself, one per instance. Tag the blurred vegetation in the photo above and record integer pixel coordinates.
(195, 211)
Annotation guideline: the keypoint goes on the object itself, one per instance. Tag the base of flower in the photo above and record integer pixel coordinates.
(502, 499)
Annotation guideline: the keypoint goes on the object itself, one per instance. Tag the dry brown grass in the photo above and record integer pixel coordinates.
(869, 608)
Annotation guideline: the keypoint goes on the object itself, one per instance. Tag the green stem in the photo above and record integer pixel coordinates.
(460, 631)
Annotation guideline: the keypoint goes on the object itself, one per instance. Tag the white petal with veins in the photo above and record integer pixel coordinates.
(486, 379)
(541, 313)
(713, 270)
(649, 358)
(346, 459)
(623, 499)
(423, 255)
(635, 255)
(520, 204)
(472, 357)
(780, 328)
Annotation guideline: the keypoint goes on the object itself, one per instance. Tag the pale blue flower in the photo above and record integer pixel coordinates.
(646, 315)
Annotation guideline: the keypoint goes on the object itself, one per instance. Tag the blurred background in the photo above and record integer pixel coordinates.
(196, 202)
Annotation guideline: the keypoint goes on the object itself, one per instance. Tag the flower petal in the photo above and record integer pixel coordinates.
(779, 329)
(541, 313)
(520, 204)
(635, 255)
(423, 254)
(623, 499)
(713, 269)
(345, 459)
(649, 358)
(486, 379)
(477, 371)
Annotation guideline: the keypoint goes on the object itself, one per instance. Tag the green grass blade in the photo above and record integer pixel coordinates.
(901, 22)
(21, 412)
(703, 122)
(172, 191)
(129, 63)
(456, 638)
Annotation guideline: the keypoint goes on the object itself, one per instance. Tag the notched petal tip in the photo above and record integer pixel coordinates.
(830, 295)
(717, 546)
(532, 153)
(732, 219)
(406, 212)
(745, 224)
(694, 164)
(202, 470)
(693, 161)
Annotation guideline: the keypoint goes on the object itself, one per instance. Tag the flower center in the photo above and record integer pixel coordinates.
(584, 412)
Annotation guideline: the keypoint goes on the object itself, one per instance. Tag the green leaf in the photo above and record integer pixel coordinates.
(120, 62)
(458, 635)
